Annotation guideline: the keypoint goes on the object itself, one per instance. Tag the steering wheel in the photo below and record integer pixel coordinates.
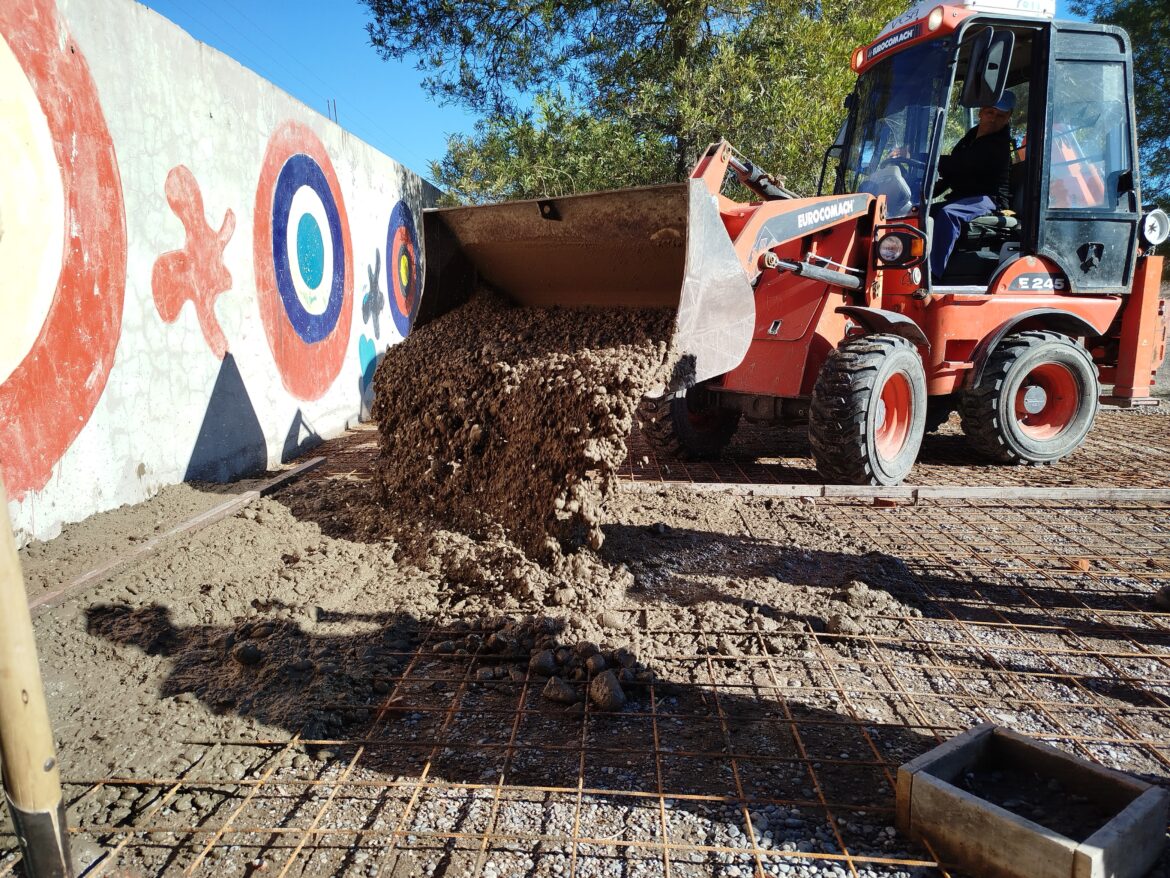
(906, 162)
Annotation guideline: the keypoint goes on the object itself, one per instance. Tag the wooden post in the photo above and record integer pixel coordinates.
(32, 781)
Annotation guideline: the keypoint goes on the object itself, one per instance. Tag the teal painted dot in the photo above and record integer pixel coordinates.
(310, 250)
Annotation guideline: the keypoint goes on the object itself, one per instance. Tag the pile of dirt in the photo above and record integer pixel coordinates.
(862, 609)
(501, 429)
(511, 649)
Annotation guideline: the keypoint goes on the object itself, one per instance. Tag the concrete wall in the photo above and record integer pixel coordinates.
(195, 276)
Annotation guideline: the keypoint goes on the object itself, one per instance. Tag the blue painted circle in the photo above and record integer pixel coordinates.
(310, 250)
(298, 171)
(402, 227)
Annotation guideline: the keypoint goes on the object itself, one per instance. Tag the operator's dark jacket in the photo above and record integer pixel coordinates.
(979, 166)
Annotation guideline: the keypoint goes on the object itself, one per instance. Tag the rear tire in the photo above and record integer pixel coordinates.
(868, 411)
(688, 425)
(938, 412)
(1035, 402)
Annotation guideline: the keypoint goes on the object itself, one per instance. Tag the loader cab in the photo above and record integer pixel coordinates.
(1074, 181)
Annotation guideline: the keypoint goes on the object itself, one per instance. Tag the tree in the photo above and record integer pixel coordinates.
(554, 150)
(1148, 24)
(589, 94)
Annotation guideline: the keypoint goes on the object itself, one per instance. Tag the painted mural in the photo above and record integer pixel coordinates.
(196, 273)
(304, 261)
(63, 244)
(143, 341)
(373, 303)
(402, 261)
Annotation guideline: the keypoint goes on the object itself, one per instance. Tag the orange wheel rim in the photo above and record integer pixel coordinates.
(700, 416)
(894, 416)
(1046, 401)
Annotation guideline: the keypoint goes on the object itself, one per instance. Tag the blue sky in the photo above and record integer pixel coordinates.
(318, 51)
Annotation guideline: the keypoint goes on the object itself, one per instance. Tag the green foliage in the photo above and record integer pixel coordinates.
(1148, 24)
(554, 150)
(629, 93)
(775, 89)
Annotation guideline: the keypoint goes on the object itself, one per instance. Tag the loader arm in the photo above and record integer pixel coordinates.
(763, 227)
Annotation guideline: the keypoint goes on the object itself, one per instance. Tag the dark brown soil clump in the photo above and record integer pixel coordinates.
(502, 421)
(1043, 800)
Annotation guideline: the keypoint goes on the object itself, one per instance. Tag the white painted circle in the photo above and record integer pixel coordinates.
(32, 215)
(314, 299)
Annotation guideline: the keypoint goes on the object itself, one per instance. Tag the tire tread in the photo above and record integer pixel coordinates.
(979, 406)
(840, 400)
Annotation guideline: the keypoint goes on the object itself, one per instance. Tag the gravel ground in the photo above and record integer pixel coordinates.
(345, 679)
(754, 617)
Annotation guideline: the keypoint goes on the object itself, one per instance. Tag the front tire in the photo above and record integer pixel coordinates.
(868, 411)
(1035, 401)
(689, 425)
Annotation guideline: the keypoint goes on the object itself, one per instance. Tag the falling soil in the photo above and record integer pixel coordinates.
(502, 459)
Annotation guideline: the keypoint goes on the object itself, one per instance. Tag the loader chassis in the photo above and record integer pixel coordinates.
(821, 309)
(1063, 272)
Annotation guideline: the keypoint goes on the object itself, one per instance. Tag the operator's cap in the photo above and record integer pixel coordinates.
(1007, 103)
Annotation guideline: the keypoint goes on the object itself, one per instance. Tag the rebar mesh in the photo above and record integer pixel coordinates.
(1122, 450)
(753, 751)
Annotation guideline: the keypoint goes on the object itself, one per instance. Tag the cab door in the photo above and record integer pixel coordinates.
(1089, 199)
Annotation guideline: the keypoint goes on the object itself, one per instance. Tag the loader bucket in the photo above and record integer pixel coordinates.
(652, 247)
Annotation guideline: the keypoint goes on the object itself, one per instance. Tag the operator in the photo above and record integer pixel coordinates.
(977, 173)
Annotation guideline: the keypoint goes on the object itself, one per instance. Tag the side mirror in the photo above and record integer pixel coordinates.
(838, 147)
(987, 71)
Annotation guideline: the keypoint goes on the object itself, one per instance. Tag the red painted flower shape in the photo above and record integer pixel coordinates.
(197, 272)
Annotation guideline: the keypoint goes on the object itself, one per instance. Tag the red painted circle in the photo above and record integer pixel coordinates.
(51, 394)
(306, 369)
(1060, 402)
(897, 401)
(404, 293)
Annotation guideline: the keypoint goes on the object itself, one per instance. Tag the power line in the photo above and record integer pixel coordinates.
(291, 75)
(276, 61)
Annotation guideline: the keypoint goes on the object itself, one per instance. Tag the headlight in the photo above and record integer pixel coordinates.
(890, 248)
(935, 19)
(1155, 227)
(898, 245)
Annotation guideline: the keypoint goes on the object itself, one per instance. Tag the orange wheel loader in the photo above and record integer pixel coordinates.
(821, 310)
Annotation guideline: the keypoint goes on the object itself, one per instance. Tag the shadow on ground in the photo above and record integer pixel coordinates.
(686, 566)
(718, 731)
(414, 699)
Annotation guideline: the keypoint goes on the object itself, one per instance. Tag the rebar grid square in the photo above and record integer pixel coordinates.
(447, 811)
(616, 861)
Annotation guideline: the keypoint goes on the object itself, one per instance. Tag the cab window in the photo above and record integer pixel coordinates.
(1090, 150)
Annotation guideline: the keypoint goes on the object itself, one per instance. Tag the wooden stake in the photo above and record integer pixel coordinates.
(32, 781)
